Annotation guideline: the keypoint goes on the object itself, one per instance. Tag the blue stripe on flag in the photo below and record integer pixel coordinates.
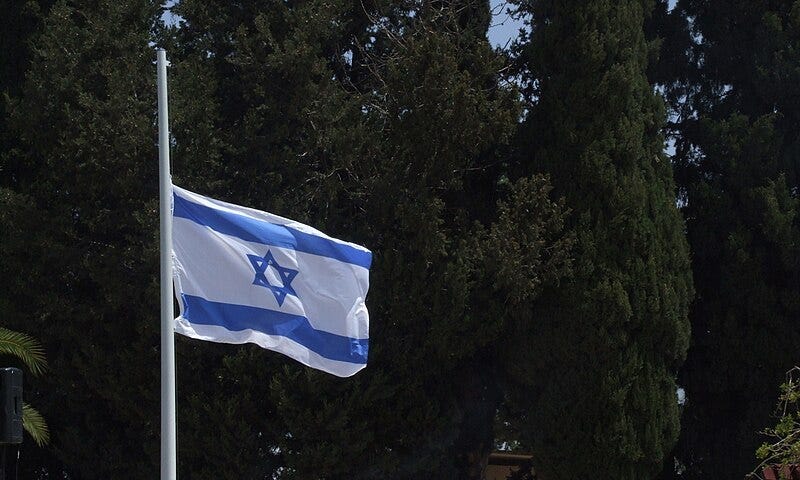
(252, 230)
(295, 327)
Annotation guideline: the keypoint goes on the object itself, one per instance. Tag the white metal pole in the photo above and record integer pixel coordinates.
(168, 435)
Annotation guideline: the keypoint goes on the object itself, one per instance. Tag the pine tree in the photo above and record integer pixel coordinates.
(598, 398)
(737, 148)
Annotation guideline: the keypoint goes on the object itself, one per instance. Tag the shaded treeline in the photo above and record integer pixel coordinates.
(531, 281)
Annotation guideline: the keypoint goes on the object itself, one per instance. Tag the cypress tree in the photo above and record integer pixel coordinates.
(598, 398)
(736, 151)
(79, 234)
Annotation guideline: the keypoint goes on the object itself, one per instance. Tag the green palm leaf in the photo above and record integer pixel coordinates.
(34, 424)
(24, 347)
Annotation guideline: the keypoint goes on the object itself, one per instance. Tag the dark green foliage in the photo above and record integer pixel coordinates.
(598, 398)
(78, 235)
(385, 123)
(403, 159)
(19, 21)
(259, 120)
(737, 159)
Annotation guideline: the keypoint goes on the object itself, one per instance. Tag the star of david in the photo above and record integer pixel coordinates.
(285, 275)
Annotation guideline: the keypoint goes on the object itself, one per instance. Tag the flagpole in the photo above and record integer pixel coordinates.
(168, 435)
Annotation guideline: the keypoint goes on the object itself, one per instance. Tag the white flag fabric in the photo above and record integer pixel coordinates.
(246, 276)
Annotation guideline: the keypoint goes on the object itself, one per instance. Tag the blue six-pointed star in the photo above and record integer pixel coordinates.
(286, 275)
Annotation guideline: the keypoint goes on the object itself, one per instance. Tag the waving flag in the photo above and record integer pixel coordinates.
(246, 276)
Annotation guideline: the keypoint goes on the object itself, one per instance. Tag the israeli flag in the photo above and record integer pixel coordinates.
(246, 276)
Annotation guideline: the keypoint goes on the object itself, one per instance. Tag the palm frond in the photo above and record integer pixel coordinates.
(24, 347)
(34, 424)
